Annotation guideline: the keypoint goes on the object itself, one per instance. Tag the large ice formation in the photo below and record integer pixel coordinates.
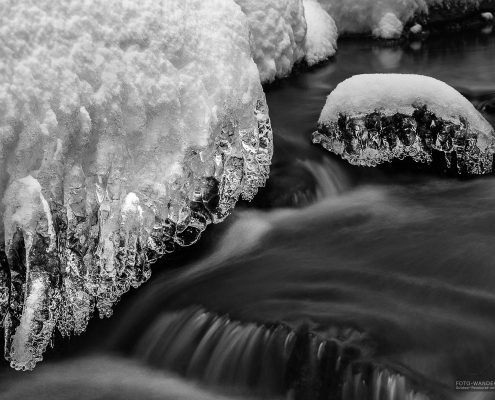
(125, 128)
(373, 118)
(278, 31)
(321, 35)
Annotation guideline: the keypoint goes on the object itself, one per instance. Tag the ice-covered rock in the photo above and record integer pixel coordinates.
(125, 129)
(321, 35)
(373, 118)
(278, 30)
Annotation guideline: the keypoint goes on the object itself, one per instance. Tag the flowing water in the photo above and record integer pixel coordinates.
(339, 282)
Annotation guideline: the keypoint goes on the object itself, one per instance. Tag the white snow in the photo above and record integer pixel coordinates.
(487, 16)
(389, 27)
(131, 204)
(143, 75)
(132, 212)
(285, 32)
(115, 107)
(399, 93)
(416, 29)
(278, 31)
(321, 36)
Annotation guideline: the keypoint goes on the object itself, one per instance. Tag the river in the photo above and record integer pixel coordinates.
(337, 282)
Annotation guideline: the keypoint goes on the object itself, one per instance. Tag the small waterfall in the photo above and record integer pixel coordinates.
(299, 182)
(268, 360)
(217, 351)
(330, 178)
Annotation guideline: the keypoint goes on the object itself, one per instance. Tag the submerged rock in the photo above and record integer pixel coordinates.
(374, 118)
(388, 27)
(125, 129)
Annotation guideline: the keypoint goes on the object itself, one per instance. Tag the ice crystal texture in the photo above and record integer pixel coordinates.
(373, 118)
(321, 36)
(125, 129)
(278, 30)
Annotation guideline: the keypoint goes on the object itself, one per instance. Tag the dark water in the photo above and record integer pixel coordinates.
(340, 282)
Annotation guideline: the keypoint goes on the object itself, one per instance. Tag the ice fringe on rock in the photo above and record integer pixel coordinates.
(125, 129)
(373, 118)
(321, 36)
(487, 16)
(389, 27)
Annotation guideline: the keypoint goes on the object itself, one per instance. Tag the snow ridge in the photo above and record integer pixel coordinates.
(321, 36)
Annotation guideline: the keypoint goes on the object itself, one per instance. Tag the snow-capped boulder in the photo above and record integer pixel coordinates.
(373, 118)
(278, 30)
(321, 35)
(125, 129)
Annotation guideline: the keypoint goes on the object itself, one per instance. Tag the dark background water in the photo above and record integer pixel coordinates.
(405, 260)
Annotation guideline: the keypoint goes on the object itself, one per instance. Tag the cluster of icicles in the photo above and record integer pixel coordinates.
(85, 253)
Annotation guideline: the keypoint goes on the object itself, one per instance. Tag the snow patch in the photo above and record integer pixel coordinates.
(278, 31)
(389, 27)
(321, 36)
(416, 29)
(487, 16)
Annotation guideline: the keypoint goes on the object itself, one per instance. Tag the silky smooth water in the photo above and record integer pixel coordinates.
(395, 270)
